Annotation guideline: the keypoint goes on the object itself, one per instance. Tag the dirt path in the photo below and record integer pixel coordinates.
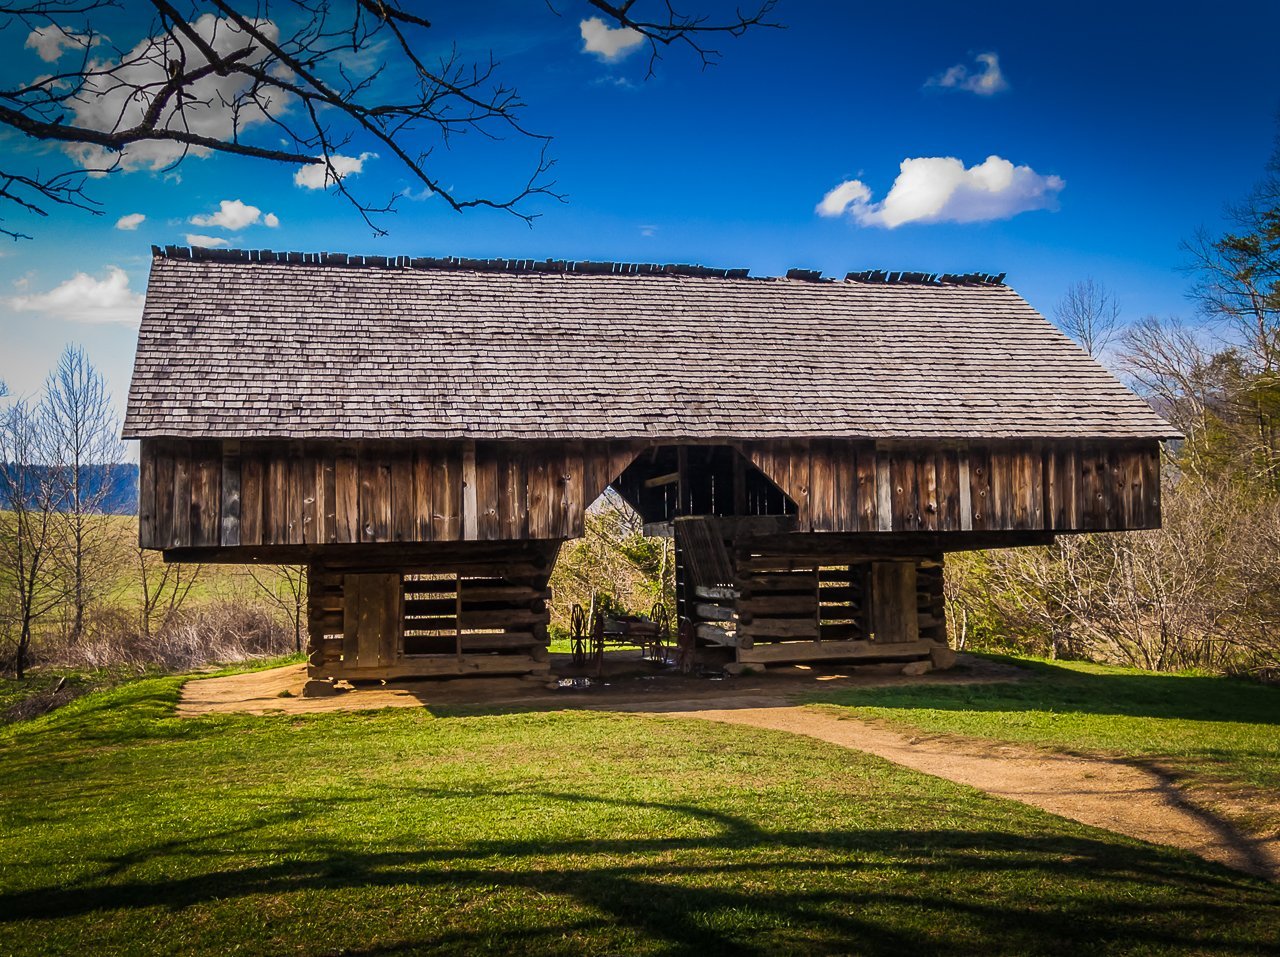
(1098, 791)
(1104, 793)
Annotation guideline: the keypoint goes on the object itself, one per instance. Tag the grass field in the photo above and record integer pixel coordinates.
(126, 830)
(1209, 732)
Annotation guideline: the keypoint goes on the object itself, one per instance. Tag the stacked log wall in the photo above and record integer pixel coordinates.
(478, 613)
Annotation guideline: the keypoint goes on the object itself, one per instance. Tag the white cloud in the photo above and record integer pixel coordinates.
(130, 222)
(214, 106)
(231, 214)
(842, 197)
(85, 299)
(984, 82)
(195, 239)
(50, 41)
(320, 175)
(610, 44)
(271, 220)
(939, 189)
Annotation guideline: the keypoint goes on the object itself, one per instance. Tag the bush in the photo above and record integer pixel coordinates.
(215, 633)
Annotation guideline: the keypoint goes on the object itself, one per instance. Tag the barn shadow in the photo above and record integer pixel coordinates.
(876, 891)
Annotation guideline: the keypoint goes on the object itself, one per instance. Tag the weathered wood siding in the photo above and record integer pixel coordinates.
(209, 493)
(1042, 486)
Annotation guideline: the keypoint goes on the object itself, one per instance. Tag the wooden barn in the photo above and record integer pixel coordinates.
(424, 435)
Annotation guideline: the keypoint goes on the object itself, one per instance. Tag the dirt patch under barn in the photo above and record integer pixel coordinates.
(1127, 797)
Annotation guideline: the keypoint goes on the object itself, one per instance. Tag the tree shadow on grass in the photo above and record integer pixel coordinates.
(719, 884)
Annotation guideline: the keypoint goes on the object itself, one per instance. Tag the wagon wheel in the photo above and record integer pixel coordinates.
(578, 636)
(661, 630)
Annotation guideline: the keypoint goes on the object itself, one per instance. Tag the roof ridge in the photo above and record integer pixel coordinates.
(582, 267)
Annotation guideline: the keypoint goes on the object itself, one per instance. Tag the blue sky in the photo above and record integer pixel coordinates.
(1120, 128)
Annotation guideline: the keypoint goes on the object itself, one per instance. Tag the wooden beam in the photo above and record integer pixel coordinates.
(659, 480)
(853, 650)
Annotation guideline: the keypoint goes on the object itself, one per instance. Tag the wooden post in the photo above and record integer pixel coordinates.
(894, 617)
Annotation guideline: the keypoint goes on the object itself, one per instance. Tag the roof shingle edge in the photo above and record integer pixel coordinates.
(582, 267)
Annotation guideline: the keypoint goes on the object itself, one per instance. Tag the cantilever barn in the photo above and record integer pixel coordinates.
(425, 434)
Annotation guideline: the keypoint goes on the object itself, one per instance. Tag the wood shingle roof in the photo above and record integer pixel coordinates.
(236, 345)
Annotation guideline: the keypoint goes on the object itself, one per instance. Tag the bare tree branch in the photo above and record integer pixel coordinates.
(286, 81)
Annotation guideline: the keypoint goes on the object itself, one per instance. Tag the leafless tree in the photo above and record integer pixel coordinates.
(1089, 313)
(165, 587)
(86, 455)
(285, 587)
(27, 527)
(309, 83)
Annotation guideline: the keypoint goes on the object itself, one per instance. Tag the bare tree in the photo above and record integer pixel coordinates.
(165, 588)
(1090, 315)
(310, 83)
(285, 587)
(83, 445)
(27, 537)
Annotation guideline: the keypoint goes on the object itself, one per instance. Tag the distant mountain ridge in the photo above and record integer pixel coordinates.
(119, 481)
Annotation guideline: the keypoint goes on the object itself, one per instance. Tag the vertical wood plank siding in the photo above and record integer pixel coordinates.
(246, 493)
(198, 493)
(1035, 486)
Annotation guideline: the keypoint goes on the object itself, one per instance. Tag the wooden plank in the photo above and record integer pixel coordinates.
(147, 494)
(424, 527)
(948, 490)
(513, 500)
(326, 498)
(822, 489)
(965, 480)
(251, 495)
(164, 465)
(371, 619)
(446, 494)
(346, 502)
(470, 496)
(802, 651)
(434, 666)
(1019, 515)
(541, 493)
(230, 531)
(352, 599)
(1115, 483)
(275, 500)
(905, 478)
(927, 489)
(893, 602)
(403, 503)
(865, 470)
(884, 492)
(573, 508)
(1149, 464)
(844, 486)
(303, 517)
(488, 514)
(206, 493)
(800, 472)
(181, 533)
(1093, 498)
(381, 510)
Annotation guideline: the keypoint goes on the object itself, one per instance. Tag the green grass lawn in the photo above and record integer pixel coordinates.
(125, 829)
(1210, 732)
